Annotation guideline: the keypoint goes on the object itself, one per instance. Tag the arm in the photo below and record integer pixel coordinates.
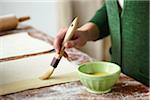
(95, 29)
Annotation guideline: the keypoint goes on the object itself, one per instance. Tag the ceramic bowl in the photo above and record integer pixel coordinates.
(102, 82)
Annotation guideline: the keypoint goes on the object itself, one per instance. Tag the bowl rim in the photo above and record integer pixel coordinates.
(108, 75)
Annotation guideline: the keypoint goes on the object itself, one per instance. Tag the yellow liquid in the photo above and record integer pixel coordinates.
(99, 73)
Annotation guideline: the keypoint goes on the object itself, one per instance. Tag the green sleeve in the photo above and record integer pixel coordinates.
(101, 21)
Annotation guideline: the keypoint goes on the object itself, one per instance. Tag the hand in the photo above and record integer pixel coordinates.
(88, 32)
(78, 40)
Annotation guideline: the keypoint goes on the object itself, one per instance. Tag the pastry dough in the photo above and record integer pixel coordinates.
(23, 74)
(21, 43)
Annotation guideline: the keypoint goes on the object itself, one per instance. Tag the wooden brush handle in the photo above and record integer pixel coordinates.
(69, 34)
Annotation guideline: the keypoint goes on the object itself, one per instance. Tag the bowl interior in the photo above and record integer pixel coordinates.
(95, 67)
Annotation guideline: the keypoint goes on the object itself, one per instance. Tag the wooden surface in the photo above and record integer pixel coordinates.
(125, 89)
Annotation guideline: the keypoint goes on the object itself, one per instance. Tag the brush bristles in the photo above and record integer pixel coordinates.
(47, 74)
(54, 64)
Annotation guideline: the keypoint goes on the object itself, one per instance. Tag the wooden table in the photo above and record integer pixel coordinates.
(125, 89)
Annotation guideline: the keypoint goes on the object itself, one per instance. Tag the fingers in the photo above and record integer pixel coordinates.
(73, 43)
(59, 39)
(70, 44)
(77, 41)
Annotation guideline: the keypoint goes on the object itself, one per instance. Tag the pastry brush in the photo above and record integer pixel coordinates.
(57, 57)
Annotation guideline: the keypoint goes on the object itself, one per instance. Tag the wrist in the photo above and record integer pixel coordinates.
(91, 31)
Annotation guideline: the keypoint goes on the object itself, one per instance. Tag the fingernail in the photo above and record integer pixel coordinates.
(57, 51)
(66, 44)
(69, 45)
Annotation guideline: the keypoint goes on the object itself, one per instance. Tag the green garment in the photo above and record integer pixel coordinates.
(129, 34)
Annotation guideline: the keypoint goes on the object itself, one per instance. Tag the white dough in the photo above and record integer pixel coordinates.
(21, 43)
(22, 74)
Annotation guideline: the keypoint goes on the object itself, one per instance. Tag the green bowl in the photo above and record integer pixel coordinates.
(99, 83)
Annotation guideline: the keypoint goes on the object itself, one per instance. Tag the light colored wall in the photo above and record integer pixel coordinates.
(43, 14)
(86, 9)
